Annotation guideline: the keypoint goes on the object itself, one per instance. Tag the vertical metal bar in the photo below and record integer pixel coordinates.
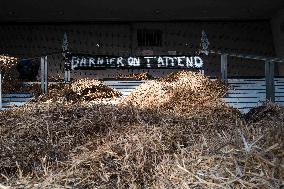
(267, 82)
(45, 74)
(42, 74)
(224, 68)
(65, 76)
(269, 79)
(272, 75)
(68, 75)
(0, 90)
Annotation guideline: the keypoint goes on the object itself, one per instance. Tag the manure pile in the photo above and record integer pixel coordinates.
(78, 91)
(171, 139)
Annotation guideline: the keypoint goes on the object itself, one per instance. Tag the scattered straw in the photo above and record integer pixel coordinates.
(135, 145)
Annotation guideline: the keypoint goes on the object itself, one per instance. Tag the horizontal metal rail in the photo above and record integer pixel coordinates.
(269, 69)
(251, 57)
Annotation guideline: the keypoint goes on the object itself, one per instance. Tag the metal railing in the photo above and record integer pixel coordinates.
(269, 69)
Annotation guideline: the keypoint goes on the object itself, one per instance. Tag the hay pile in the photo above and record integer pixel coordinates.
(90, 89)
(57, 78)
(7, 62)
(77, 91)
(128, 146)
(138, 76)
(11, 85)
(8, 70)
(181, 92)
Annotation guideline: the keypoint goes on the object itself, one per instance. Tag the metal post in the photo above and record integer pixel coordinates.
(224, 68)
(45, 75)
(0, 90)
(66, 74)
(269, 78)
(42, 74)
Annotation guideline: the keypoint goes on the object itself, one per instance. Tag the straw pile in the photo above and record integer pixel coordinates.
(128, 146)
(7, 62)
(8, 69)
(182, 92)
(77, 91)
(57, 78)
(11, 85)
(138, 76)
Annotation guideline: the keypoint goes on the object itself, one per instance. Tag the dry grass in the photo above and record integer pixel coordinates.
(135, 145)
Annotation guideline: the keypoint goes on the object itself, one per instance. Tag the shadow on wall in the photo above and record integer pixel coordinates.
(28, 70)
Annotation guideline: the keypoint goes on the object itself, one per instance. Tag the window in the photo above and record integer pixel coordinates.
(149, 37)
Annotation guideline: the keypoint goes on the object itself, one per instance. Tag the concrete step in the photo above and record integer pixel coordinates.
(12, 100)
(17, 95)
(10, 104)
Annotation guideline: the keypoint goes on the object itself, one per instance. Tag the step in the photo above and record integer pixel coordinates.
(13, 99)
(17, 95)
(9, 104)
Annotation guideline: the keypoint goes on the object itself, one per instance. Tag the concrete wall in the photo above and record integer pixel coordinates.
(277, 24)
(253, 37)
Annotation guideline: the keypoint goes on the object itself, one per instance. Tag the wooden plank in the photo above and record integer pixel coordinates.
(243, 100)
(244, 105)
(247, 83)
(253, 85)
(242, 87)
(263, 87)
(246, 95)
(251, 95)
(242, 80)
(249, 100)
(281, 103)
(246, 80)
(277, 90)
(245, 91)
